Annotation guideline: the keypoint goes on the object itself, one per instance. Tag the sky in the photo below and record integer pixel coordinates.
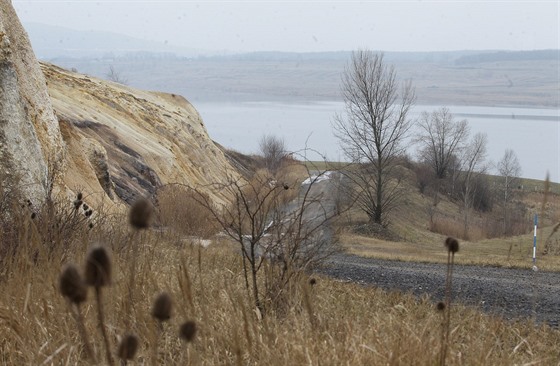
(313, 26)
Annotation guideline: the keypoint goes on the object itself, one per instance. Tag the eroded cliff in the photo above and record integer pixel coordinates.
(125, 142)
(76, 133)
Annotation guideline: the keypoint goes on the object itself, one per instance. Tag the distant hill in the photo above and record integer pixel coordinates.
(440, 78)
(537, 55)
(53, 42)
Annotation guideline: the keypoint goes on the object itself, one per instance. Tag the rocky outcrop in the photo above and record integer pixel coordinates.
(29, 135)
(127, 142)
(103, 138)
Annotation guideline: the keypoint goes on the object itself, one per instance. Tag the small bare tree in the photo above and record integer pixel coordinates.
(372, 130)
(472, 164)
(116, 76)
(282, 229)
(273, 150)
(509, 170)
(440, 138)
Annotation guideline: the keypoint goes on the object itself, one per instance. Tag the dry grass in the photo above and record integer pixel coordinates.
(329, 322)
(489, 252)
(351, 324)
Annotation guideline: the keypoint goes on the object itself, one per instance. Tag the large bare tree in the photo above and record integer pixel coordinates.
(440, 138)
(372, 129)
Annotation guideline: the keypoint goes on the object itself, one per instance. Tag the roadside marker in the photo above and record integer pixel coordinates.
(535, 245)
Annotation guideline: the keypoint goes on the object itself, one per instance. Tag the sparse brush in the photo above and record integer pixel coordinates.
(128, 348)
(98, 274)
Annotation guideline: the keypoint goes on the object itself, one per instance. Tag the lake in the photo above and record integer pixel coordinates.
(533, 133)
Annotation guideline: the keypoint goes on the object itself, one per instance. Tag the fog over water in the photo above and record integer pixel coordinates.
(534, 134)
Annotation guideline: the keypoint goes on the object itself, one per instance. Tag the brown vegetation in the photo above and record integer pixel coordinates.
(326, 321)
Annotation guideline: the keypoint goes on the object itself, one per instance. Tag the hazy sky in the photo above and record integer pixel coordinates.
(313, 25)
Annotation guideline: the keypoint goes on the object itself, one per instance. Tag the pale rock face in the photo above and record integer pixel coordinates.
(29, 133)
(135, 141)
(107, 140)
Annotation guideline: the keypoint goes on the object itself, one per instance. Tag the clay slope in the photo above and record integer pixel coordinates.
(122, 142)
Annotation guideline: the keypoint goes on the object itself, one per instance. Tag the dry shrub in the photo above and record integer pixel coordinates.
(455, 228)
(180, 210)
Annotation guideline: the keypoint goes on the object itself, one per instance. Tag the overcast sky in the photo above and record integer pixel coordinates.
(241, 26)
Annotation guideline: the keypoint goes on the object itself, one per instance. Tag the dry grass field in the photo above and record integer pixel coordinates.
(321, 322)
(338, 324)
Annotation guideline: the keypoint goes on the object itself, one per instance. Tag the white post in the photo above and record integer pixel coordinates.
(535, 245)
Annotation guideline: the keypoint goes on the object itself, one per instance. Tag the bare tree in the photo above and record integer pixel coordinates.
(372, 130)
(116, 76)
(273, 150)
(281, 229)
(510, 170)
(441, 137)
(472, 165)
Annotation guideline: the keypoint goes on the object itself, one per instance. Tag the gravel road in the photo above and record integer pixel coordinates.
(510, 293)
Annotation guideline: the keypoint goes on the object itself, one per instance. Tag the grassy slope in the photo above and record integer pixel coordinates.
(411, 221)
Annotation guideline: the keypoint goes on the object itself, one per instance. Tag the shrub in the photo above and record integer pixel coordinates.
(178, 210)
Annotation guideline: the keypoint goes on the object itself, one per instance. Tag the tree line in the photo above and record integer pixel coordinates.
(375, 130)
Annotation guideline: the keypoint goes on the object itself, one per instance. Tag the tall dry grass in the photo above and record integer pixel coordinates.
(326, 322)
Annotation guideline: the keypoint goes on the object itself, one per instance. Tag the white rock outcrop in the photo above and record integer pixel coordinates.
(29, 134)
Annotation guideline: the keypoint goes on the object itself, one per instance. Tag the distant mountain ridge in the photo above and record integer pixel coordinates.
(53, 41)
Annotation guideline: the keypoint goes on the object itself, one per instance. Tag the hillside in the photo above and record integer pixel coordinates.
(127, 142)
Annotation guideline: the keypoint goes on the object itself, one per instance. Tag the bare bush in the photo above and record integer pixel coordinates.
(509, 170)
(273, 151)
(441, 138)
(116, 76)
(282, 230)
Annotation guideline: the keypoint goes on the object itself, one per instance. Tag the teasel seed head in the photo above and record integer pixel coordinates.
(77, 204)
(452, 245)
(188, 331)
(98, 267)
(162, 307)
(312, 281)
(72, 285)
(85, 207)
(79, 196)
(141, 214)
(440, 306)
(128, 347)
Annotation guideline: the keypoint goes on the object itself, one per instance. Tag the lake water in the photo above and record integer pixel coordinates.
(534, 134)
